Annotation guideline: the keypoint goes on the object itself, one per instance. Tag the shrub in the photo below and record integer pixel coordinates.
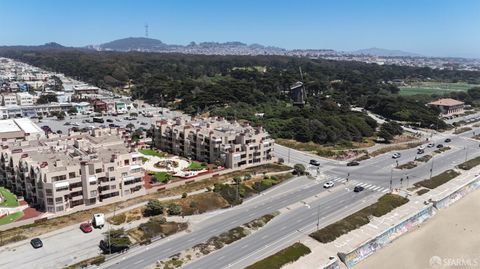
(184, 195)
(174, 209)
(153, 208)
(438, 179)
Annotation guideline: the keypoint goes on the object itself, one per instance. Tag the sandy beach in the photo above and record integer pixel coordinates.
(452, 236)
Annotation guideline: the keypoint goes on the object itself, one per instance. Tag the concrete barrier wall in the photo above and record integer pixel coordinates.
(368, 248)
(332, 265)
(458, 194)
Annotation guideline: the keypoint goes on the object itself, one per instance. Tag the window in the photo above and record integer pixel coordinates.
(112, 187)
(49, 201)
(126, 162)
(124, 174)
(48, 192)
(58, 200)
(93, 193)
(71, 175)
(59, 208)
(110, 169)
(112, 179)
(99, 170)
(62, 189)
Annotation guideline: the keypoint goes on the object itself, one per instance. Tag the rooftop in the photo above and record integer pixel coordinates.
(446, 102)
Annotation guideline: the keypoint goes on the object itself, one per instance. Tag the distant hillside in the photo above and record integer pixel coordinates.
(134, 43)
(385, 53)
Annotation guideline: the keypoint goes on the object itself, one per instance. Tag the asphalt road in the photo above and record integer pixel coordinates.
(291, 192)
(285, 229)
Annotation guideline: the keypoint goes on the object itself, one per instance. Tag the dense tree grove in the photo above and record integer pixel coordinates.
(241, 86)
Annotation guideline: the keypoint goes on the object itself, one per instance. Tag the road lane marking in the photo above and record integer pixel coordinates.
(368, 185)
(385, 190)
(376, 188)
(137, 262)
(244, 246)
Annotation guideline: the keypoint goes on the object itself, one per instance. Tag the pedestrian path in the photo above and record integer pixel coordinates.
(367, 186)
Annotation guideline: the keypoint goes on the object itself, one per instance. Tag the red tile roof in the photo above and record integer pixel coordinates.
(446, 102)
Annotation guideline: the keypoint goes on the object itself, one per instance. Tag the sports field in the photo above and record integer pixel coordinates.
(439, 88)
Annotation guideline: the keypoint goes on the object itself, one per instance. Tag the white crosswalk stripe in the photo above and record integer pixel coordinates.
(371, 187)
(362, 184)
(376, 188)
(385, 190)
(367, 186)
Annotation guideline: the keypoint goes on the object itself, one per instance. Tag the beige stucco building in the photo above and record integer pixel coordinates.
(214, 140)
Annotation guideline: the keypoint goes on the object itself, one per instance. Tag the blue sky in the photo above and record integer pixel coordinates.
(428, 27)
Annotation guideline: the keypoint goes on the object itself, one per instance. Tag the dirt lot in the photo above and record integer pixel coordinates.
(201, 203)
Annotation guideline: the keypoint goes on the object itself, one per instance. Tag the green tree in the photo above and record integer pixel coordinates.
(299, 169)
(153, 208)
(174, 209)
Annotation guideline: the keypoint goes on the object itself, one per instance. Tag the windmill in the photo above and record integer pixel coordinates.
(297, 91)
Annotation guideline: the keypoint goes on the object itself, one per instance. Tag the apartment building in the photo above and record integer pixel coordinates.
(24, 99)
(73, 172)
(214, 140)
(9, 100)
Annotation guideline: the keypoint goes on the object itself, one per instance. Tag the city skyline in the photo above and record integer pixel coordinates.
(430, 28)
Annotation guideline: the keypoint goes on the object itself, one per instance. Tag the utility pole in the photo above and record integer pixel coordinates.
(431, 168)
(318, 218)
(391, 179)
(288, 155)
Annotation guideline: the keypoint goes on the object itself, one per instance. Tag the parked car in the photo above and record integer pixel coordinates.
(422, 147)
(431, 145)
(439, 146)
(86, 227)
(36, 243)
(315, 162)
(144, 123)
(420, 151)
(448, 140)
(67, 123)
(358, 189)
(328, 184)
(109, 120)
(396, 155)
(353, 163)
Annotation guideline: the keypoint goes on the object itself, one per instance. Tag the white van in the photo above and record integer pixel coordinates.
(98, 220)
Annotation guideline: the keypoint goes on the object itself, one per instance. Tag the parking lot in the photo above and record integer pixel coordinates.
(86, 121)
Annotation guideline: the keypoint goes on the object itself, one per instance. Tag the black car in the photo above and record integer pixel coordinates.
(109, 120)
(36, 243)
(439, 146)
(353, 163)
(448, 140)
(315, 162)
(358, 189)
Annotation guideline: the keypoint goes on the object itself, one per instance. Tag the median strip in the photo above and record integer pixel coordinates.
(214, 243)
(385, 204)
(284, 256)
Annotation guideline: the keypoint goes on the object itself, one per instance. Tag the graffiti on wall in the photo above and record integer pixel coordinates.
(367, 249)
(457, 195)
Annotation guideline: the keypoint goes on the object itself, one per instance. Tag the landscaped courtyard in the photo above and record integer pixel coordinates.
(7, 198)
(163, 168)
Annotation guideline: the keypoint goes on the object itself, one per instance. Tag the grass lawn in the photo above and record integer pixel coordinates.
(438, 179)
(163, 177)
(10, 198)
(284, 256)
(197, 166)
(439, 88)
(152, 152)
(11, 218)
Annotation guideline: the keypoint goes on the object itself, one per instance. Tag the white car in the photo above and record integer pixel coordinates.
(396, 155)
(328, 184)
(422, 147)
(431, 145)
